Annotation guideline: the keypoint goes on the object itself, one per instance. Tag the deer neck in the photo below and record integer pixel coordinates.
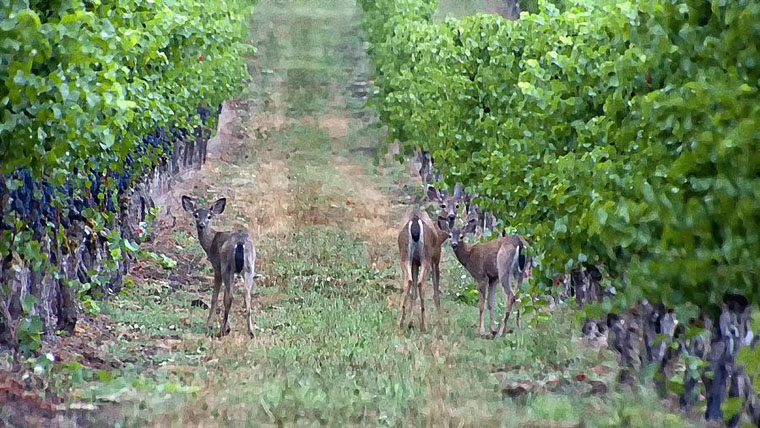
(440, 233)
(463, 253)
(206, 237)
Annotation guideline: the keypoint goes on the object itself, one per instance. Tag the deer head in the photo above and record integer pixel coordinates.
(458, 234)
(203, 216)
(449, 204)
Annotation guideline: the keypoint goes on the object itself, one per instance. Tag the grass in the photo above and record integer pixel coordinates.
(332, 354)
(329, 350)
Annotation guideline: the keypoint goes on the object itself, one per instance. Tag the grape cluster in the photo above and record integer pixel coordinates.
(204, 113)
(178, 133)
(39, 204)
(160, 138)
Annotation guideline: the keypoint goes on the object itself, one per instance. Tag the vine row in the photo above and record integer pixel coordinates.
(97, 101)
(620, 135)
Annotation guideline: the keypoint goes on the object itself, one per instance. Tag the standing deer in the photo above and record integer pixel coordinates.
(419, 245)
(502, 260)
(486, 222)
(230, 253)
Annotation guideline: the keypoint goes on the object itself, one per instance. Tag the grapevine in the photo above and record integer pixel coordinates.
(615, 134)
(94, 97)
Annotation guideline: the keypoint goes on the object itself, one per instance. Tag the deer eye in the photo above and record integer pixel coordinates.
(195, 214)
(443, 205)
(457, 206)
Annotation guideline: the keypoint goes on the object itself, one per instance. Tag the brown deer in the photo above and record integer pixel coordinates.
(502, 260)
(230, 253)
(486, 222)
(419, 245)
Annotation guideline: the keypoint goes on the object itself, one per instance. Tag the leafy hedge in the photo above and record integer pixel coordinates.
(93, 96)
(617, 132)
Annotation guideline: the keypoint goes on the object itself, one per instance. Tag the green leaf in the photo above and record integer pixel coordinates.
(28, 304)
(131, 246)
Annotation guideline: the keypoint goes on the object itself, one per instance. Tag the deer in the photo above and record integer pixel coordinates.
(500, 261)
(419, 244)
(427, 171)
(230, 254)
(486, 221)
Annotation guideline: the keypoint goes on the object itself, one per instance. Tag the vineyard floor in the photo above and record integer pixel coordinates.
(296, 164)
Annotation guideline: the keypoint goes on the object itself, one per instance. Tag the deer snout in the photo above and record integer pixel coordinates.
(452, 216)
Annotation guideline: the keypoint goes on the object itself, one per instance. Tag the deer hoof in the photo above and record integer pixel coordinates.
(505, 332)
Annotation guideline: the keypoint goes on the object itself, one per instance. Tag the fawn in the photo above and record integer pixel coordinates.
(230, 253)
(502, 260)
(486, 222)
(419, 245)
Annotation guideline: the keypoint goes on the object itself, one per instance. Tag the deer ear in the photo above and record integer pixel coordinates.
(472, 224)
(188, 204)
(466, 198)
(458, 194)
(433, 194)
(218, 206)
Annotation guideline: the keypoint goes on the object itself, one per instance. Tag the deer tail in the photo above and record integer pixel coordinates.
(416, 238)
(415, 229)
(239, 257)
(520, 258)
(416, 246)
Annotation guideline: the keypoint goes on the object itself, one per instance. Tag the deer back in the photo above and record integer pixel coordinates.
(433, 236)
(483, 260)
(225, 247)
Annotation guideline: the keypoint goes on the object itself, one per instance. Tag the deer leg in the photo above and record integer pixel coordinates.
(248, 286)
(214, 297)
(515, 300)
(519, 302)
(228, 277)
(482, 288)
(517, 320)
(413, 295)
(420, 287)
(491, 299)
(505, 261)
(407, 286)
(415, 271)
(510, 301)
(437, 289)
